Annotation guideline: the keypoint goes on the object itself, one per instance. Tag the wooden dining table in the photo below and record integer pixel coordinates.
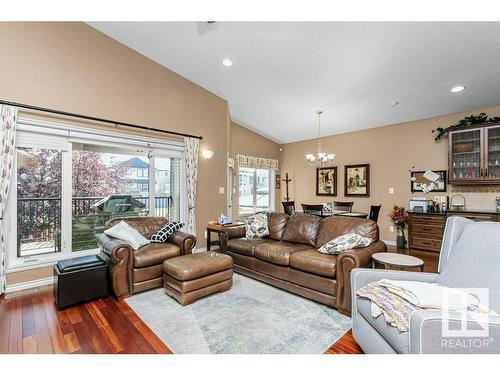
(361, 215)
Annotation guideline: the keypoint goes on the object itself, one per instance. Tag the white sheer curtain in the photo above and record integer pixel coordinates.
(192, 147)
(8, 118)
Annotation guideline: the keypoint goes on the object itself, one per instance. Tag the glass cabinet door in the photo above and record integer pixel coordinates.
(465, 150)
(493, 153)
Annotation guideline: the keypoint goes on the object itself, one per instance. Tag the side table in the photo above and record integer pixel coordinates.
(214, 227)
(397, 260)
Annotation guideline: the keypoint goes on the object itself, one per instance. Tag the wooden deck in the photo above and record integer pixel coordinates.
(37, 248)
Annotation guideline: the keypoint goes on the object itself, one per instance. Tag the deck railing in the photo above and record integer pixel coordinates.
(39, 219)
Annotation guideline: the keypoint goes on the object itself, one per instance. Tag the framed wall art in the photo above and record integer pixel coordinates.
(357, 180)
(326, 181)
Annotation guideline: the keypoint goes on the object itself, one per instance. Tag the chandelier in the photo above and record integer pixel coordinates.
(320, 159)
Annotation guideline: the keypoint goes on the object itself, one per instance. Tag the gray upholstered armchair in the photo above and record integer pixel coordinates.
(470, 258)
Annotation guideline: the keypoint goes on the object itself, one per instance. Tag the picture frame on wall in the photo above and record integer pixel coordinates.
(326, 181)
(417, 181)
(357, 180)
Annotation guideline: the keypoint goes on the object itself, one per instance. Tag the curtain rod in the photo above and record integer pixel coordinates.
(92, 118)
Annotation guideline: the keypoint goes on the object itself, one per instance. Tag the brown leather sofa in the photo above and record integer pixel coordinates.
(133, 271)
(288, 257)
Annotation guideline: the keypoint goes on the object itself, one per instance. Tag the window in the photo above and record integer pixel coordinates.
(100, 172)
(69, 183)
(39, 187)
(255, 190)
(142, 172)
(168, 186)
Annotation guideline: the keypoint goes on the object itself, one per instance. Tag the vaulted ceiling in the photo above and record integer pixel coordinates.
(283, 72)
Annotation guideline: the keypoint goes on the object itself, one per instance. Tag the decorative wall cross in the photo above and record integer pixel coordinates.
(287, 180)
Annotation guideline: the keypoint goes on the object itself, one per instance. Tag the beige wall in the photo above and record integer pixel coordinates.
(391, 151)
(247, 142)
(70, 66)
(73, 67)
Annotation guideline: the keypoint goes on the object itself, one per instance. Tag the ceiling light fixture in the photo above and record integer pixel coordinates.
(394, 103)
(456, 89)
(321, 159)
(227, 62)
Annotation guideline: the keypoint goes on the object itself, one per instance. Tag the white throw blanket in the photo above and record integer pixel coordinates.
(434, 296)
(396, 300)
(429, 296)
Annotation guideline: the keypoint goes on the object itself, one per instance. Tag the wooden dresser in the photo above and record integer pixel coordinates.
(425, 230)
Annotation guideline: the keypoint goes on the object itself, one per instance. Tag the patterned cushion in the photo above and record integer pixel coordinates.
(125, 232)
(164, 233)
(344, 242)
(256, 225)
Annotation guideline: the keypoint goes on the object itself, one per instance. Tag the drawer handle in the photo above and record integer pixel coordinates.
(427, 243)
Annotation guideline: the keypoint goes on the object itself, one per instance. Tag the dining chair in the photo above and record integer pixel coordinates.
(313, 209)
(343, 206)
(289, 207)
(374, 211)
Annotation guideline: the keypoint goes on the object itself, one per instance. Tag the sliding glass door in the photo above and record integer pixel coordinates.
(66, 188)
(107, 182)
(167, 187)
(39, 193)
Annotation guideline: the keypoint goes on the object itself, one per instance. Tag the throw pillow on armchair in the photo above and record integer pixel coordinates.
(125, 232)
(163, 234)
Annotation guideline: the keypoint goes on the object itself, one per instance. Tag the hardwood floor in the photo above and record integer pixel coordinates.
(30, 323)
(430, 259)
(345, 345)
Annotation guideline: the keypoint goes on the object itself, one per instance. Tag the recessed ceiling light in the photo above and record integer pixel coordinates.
(458, 88)
(394, 103)
(227, 62)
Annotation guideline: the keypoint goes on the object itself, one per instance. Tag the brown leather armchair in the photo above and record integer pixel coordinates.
(133, 271)
(288, 257)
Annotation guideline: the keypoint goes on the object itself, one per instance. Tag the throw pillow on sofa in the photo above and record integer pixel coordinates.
(164, 233)
(344, 242)
(125, 232)
(256, 225)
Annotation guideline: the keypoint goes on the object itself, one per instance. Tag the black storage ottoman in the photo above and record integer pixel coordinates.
(79, 280)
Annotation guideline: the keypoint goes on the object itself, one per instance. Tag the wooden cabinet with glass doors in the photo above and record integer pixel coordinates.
(474, 155)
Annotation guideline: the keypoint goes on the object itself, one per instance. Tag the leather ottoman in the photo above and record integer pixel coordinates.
(191, 277)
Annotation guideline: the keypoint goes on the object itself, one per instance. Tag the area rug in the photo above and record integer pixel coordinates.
(251, 318)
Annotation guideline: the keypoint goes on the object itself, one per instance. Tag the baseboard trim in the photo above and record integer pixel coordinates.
(29, 284)
(199, 250)
(393, 243)
(390, 243)
(203, 249)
